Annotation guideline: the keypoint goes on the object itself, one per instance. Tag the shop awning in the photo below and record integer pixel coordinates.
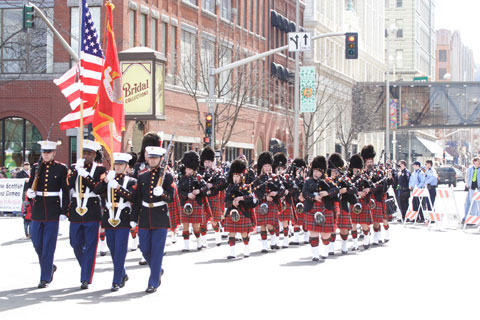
(434, 148)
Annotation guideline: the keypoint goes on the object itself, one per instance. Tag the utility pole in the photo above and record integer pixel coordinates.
(296, 133)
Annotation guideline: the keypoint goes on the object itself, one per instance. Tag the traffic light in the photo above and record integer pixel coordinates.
(351, 45)
(208, 124)
(206, 141)
(28, 16)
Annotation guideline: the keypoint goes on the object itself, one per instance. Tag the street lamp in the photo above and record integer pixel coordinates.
(390, 31)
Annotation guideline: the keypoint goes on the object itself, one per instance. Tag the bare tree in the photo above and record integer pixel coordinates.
(236, 86)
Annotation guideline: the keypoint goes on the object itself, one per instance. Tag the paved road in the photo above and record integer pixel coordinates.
(419, 273)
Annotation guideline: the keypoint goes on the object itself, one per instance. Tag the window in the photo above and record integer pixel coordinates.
(262, 16)
(399, 3)
(400, 33)
(231, 153)
(399, 24)
(189, 57)
(163, 49)
(399, 58)
(441, 73)
(153, 34)
(258, 17)
(131, 28)
(143, 30)
(209, 5)
(18, 141)
(227, 9)
(194, 2)
(207, 60)
(245, 13)
(442, 55)
(173, 56)
(251, 15)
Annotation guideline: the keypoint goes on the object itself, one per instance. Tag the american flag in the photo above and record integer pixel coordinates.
(83, 80)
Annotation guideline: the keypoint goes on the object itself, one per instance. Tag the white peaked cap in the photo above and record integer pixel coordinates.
(47, 145)
(121, 157)
(91, 145)
(155, 151)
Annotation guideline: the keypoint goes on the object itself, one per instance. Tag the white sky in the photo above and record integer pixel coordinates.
(461, 15)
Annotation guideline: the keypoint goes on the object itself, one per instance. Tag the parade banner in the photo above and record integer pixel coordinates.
(307, 89)
(393, 113)
(11, 191)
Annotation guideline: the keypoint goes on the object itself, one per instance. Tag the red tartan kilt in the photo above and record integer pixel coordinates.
(309, 219)
(344, 221)
(173, 210)
(243, 225)
(287, 214)
(378, 212)
(216, 207)
(197, 216)
(300, 219)
(270, 218)
(365, 217)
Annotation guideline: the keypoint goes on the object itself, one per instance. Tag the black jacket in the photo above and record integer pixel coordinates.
(187, 184)
(311, 187)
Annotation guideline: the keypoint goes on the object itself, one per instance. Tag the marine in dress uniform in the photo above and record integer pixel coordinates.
(50, 202)
(239, 204)
(85, 212)
(118, 189)
(150, 211)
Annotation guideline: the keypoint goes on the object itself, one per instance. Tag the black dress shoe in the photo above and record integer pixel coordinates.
(264, 251)
(43, 284)
(366, 247)
(344, 252)
(315, 259)
(125, 279)
(151, 289)
(84, 285)
(230, 257)
(142, 262)
(331, 253)
(162, 272)
(293, 243)
(115, 287)
(306, 242)
(53, 271)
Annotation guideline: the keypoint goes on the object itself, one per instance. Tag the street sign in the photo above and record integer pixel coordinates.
(299, 41)
(420, 79)
(211, 100)
(307, 89)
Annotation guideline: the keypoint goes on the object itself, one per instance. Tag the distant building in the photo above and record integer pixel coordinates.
(454, 59)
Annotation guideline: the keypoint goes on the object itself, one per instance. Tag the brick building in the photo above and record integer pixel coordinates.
(188, 34)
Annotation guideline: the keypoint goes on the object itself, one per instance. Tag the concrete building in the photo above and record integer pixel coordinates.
(338, 75)
(453, 58)
(413, 46)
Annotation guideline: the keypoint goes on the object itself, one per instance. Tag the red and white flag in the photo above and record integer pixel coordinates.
(83, 80)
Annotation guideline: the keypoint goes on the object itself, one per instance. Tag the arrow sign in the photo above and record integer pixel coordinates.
(294, 45)
(211, 100)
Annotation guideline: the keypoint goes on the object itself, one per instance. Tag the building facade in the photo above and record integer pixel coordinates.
(454, 59)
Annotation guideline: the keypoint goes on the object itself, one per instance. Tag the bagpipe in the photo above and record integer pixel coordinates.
(212, 175)
(198, 183)
(347, 180)
(270, 183)
(364, 181)
(238, 190)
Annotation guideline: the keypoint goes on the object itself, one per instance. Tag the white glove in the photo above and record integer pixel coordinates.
(82, 172)
(63, 217)
(111, 175)
(80, 163)
(31, 194)
(157, 191)
(113, 184)
(108, 205)
(133, 224)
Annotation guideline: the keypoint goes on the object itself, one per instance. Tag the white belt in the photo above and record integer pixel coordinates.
(48, 193)
(153, 204)
(89, 195)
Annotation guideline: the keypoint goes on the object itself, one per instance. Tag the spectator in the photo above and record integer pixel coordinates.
(471, 183)
(431, 181)
(27, 216)
(403, 187)
(417, 180)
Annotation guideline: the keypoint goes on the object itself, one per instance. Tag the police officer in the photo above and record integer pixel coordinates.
(150, 210)
(431, 181)
(403, 189)
(47, 185)
(85, 209)
(417, 180)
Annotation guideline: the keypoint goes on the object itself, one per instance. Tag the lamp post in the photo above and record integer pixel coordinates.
(392, 30)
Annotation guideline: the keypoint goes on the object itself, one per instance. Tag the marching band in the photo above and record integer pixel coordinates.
(151, 197)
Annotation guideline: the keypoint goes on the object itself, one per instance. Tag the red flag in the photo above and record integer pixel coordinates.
(109, 120)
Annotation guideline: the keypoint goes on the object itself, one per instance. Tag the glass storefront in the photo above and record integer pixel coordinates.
(18, 142)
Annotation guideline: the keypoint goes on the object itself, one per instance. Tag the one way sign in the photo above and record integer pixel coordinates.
(299, 41)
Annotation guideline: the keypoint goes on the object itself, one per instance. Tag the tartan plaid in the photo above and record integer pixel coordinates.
(365, 217)
(388, 217)
(174, 208)
(300, 218)
(270, 218)
(344, 220)
(310, 225)
(287, 214)
(243, 225)
(378, 212)
(197, 216)
(216, 207)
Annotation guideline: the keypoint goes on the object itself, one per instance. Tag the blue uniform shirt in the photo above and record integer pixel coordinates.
(431, 177)
(417, 179)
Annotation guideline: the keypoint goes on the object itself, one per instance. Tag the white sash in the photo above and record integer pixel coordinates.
(114, 218)
(83, 202)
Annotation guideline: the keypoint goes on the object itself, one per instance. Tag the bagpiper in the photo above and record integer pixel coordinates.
(48, 187)
(298, 170)
(85, 211)
(357, 213)
(239, 204)
(365, 218)
(150, 211)
(119, 190)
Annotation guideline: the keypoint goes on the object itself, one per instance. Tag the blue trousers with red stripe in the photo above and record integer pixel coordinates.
(117, 242)
(44, 239)
(84, 241)
(152, 245)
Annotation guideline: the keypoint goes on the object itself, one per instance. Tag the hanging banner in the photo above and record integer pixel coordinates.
(307, 89)
(11, 191)
(393, 113)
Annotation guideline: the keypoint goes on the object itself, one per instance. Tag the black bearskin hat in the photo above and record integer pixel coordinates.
(356, 162)
(368, 152)
(237, 166)
(265, 157)
(207, 154)
(191, 160)
(299, 163)
(151, 139)
(132, 161)
(335, 161)
(320, 163)
(279, 160)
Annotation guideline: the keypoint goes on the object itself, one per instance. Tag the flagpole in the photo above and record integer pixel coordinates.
(80, 129)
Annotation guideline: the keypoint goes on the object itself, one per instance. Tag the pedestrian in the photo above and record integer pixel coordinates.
(27, 216)
(417, 180)
(403, 187)
(471, 184)
(431, 182)
(47, 186)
